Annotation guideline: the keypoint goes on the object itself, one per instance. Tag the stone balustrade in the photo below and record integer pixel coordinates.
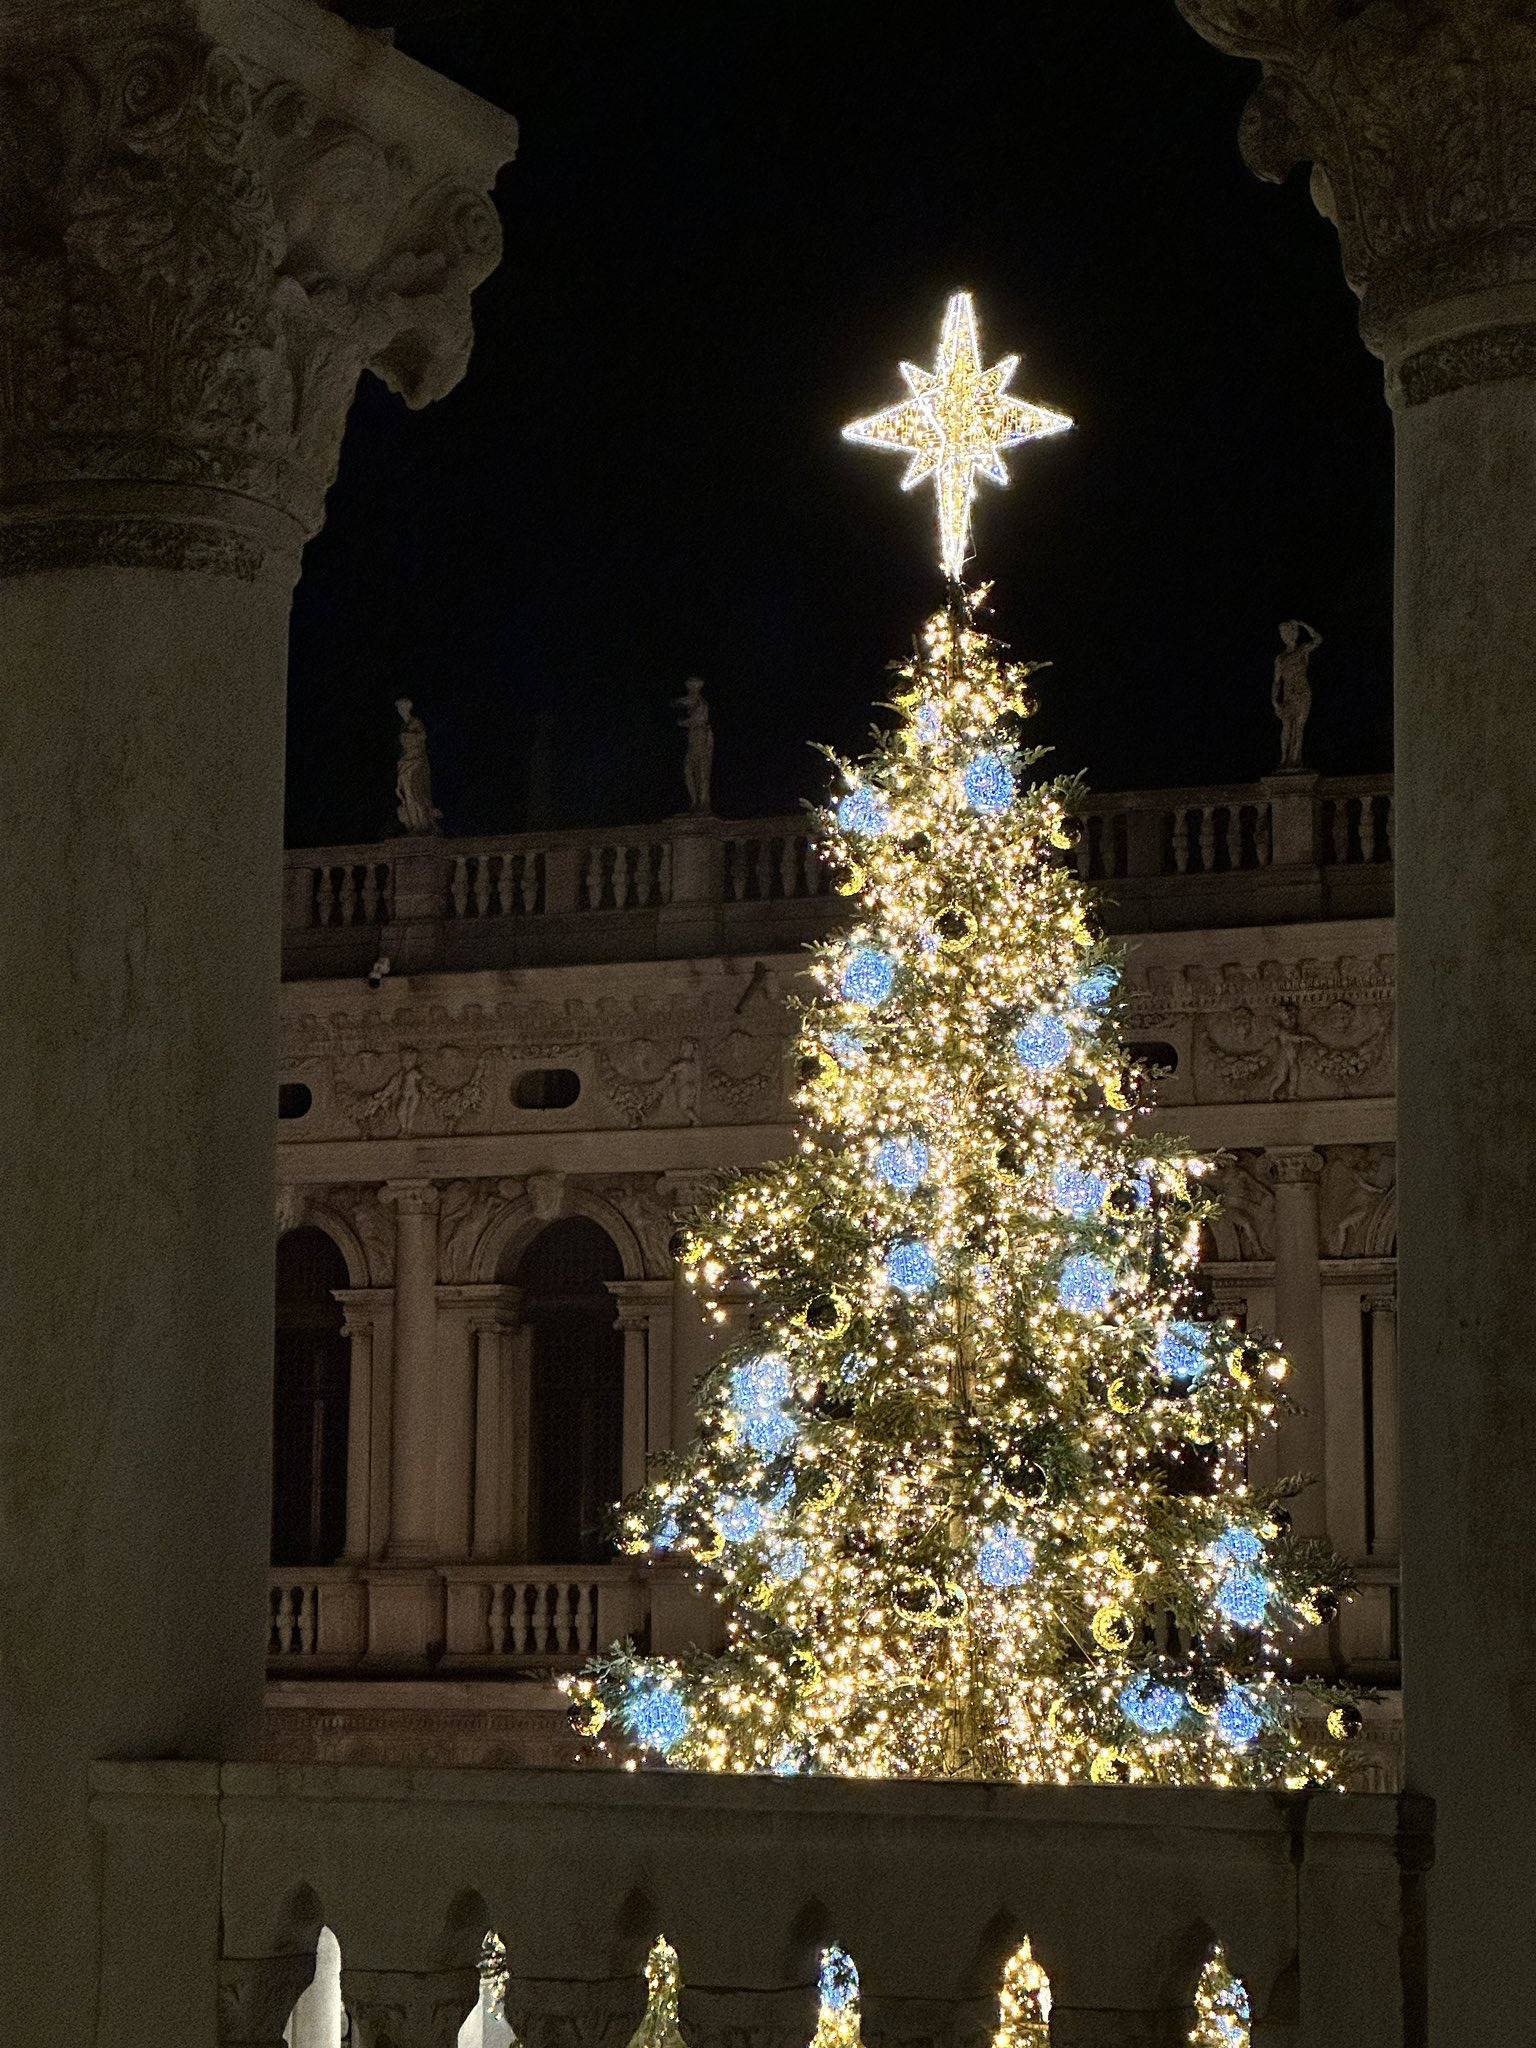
(1315, 1901)
(471, 1618)
(1295, 848)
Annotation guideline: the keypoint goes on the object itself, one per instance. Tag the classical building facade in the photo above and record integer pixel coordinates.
(483, 1151)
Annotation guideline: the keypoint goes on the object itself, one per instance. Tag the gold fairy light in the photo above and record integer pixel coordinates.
(955, 425)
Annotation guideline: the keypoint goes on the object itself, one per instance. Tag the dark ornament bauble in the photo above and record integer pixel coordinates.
(920, 845)
(809, 1066)
(1207, 1689)
(824, 1312)
(1325, 1606)
(677, 1243)
(1281, 1517)
(1010, 1159)
(833, 1406)
(1345, 1723)
(915, 1594)
(956, 929)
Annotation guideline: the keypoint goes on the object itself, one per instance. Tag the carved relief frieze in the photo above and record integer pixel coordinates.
(1282, 1031)
(669, 1060)
(1244, 1225)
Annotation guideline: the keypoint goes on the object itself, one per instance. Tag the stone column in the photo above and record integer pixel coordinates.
(1295, 1173)
(1413, 116)
(1386, 1426)
(413, 1452)
(358, 1330)
(216, 215)
(632, 1320)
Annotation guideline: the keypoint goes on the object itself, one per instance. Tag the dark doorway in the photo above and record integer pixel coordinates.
(577, 1392)
(309, 1403)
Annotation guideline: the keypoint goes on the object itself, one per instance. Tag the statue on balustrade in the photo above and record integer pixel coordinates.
(413, 775)
(699, 761)
(1292, 692)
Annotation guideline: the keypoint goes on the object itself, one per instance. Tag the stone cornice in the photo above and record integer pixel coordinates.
(216, 215)
(1417, 117)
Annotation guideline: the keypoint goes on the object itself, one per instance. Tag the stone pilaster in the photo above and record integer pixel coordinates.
(213, 215)
(1416, 116)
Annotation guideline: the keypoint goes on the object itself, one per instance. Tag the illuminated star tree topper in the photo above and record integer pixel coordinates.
(955, 426)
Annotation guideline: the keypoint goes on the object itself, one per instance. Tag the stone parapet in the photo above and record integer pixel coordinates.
(930, 1887)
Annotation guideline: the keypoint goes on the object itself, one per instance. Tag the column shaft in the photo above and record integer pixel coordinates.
(1300, 1443)
(413, 1456)
(1466, 793)
(359, 1330)
(1386, 1428)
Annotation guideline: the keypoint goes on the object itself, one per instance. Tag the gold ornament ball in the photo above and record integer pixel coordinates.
(1345, 1723)
(709, 1547)
(1110, 1767)
(1113, 1628)
(1124, 1396)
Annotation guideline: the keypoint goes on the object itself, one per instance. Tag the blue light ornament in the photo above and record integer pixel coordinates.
(863, 813)
(838, 1982)
(1183, 1352)
(989, 785)
(1237, 1545)
(1154, 1708)
(911, 1267)
(1079, 1193)
(667, 1533)
(1086, 1286)
(902, 1163)
(739, 1520)
(1005, 1559)
(1095, 990)
(655, 1715)
(847, 1048)
(1238, 1720)
(788, 1560)
(1243, 1598)
(868, 977)
(1042, 1044)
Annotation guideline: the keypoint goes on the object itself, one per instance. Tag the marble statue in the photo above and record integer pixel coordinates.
(1292, 692)
(413, 775)
(699, 761)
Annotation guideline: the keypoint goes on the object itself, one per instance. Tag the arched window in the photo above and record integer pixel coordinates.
(577, 1390)
(309, 1402)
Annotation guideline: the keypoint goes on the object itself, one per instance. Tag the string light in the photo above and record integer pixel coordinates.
(942, 1489)
(1222, 2011)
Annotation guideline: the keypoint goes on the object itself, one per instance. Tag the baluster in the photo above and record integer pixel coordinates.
(779, 883)
(586, 1619)
(373, 890)
(1264, 835)
(482, 895)
(458, 893)
(319, 897)
(1181, 842)
(518, 1598)
(1338, 830)
(496, 1619)
(1207, 814)
(497, 868)
(540, 1629)
(354, 889)
(663, 871)
(1368, 828)
(306, 1601)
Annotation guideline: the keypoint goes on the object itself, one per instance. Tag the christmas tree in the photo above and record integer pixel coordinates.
(973, 1486)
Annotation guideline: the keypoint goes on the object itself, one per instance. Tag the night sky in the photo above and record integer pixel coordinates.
(726, 224)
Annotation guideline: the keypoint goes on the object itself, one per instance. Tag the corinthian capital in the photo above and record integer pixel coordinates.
(1419, 120)
(214, 214)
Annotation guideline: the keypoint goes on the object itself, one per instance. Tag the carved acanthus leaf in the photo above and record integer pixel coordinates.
(1419, 121)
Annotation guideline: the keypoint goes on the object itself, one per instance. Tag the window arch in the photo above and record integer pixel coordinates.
(576, 1390)
(311, 1371)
